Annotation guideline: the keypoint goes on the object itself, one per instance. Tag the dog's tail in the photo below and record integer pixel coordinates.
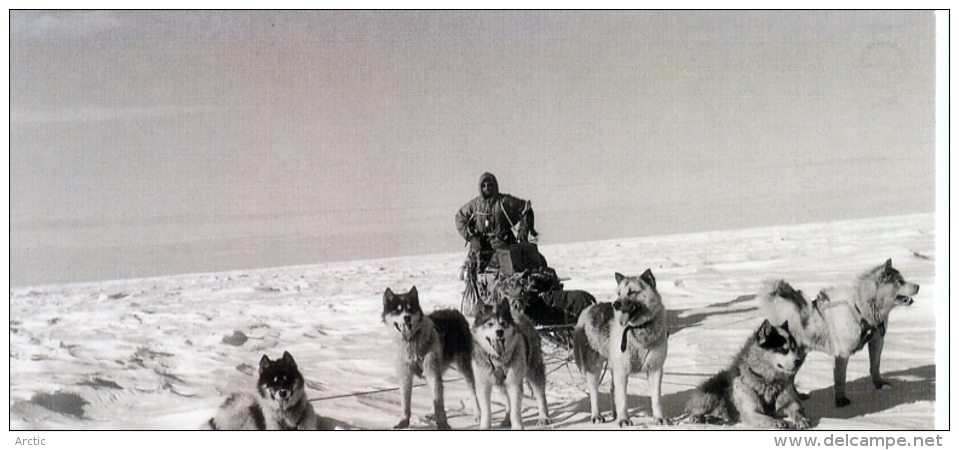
(780, 302)
(709, 399)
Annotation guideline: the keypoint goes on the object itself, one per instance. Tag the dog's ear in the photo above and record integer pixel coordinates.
(496, 292)
(783, 289)
(288, 358)
(884, 271)
(265, 363)
(482, 311)
(619, 277)
(648, 277)
(414, 298)
(785, 325)
(388, 298)
(763, 332)
(504, 311)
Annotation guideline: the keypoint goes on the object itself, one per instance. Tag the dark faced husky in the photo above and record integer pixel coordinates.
(280, 401)
(840, 325)
(502, 356)
(426, 347)
(629, 334)
(514, 291)
(758, 388)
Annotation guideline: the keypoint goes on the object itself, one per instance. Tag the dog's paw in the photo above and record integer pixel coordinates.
(842, 402)
(880, 383)
(697, 418)
(443, 426)
(780, 424)
(625, 423)
(597, 419)
(405, 423)
(801, 423)
(661, 421)
(506, 423)
(542, 422)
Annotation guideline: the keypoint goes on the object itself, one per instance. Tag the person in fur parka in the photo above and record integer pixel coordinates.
(488, 222)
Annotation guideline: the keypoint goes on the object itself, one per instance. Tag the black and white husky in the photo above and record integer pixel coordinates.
(504, 357)
(279, 402)
(426, 345)
(757, 389)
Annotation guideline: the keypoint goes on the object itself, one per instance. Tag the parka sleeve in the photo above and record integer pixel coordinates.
(463, 218)
(518, 211)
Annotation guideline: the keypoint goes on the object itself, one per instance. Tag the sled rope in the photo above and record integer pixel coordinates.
(375, 391)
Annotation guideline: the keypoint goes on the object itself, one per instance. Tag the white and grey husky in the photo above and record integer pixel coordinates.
(630, 334)
(840, 324)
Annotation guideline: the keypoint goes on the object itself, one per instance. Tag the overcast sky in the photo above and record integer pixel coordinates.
(363, 132)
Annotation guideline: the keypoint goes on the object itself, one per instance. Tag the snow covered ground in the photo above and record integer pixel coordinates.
(162, 353)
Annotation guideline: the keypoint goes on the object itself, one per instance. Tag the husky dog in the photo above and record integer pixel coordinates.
(758, 388)
(427, 346)
(503, 356)
(552, 307)
(513, 290)
(629, 334)
(844, 326)
(280, 401)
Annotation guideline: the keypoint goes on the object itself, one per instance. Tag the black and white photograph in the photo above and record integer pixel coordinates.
(701, 221)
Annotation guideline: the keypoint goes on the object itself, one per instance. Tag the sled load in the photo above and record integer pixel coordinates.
(520, 274)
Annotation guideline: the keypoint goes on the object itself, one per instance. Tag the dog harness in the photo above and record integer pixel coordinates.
(622, 345)
(498, 371)
(296, 426)
(867, 331)
(416, 363)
